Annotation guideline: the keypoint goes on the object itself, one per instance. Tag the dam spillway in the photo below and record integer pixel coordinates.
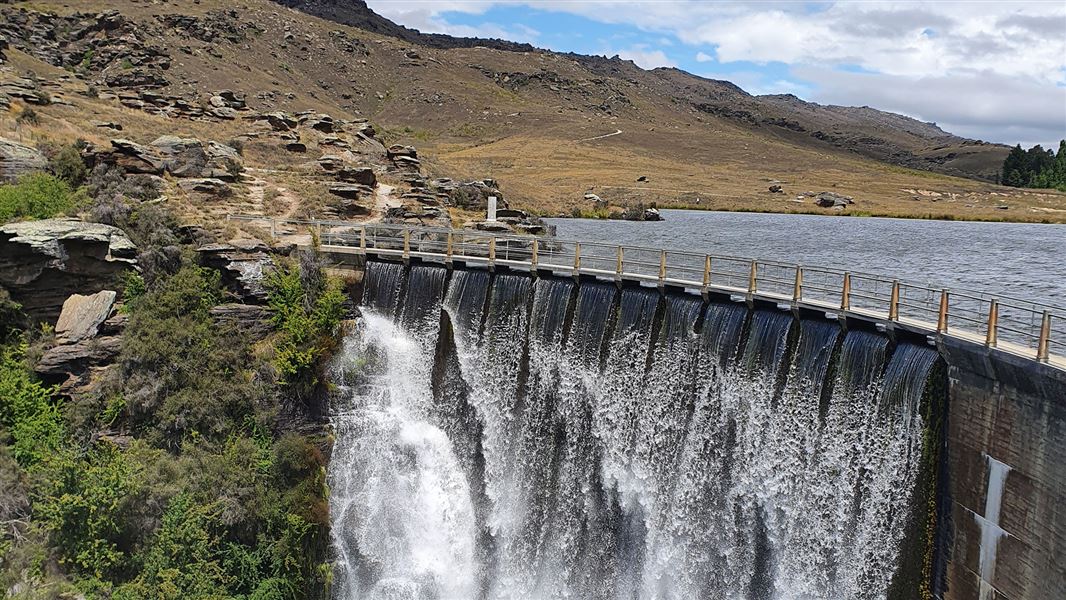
(505, 436)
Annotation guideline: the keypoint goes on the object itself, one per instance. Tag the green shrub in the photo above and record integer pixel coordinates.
(81, 501)
(182, 375)
(68, 165)
(308, 307)
(183, 562)
(36, 196)
(27, 409)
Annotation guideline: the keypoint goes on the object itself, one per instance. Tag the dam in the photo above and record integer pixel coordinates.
(512, 429)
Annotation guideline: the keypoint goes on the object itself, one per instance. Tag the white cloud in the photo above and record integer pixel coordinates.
(977, 104)
(704, 57)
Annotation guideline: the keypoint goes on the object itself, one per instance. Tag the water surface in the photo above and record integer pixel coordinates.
(1021, 260)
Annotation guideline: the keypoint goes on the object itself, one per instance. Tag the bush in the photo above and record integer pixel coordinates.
(36, 196)
(27, 410)
(82, 500)
(307, 307)
(28, 116)
(184, 376)
(68, 165)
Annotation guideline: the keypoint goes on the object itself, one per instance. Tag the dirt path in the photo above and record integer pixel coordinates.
(383, 201)
(600, 137)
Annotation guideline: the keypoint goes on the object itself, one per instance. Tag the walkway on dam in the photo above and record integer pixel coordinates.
(1015, 326)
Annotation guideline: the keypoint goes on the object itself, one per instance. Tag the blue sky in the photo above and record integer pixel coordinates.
(993, 71)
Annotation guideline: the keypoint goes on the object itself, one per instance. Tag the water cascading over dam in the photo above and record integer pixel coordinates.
(500, 436)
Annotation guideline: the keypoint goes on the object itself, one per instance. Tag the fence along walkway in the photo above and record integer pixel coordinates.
(1021, 327)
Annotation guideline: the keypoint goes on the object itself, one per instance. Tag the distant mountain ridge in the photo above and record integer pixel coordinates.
(881, 135)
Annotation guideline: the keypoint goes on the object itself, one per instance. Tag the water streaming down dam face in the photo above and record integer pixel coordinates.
(500, 436)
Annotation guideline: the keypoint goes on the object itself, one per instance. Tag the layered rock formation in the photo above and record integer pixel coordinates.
(43, 262)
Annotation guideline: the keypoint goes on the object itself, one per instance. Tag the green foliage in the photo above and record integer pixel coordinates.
(81, 501)
(36, 196)
(210, 499)
(134, 288)
(184, 561)
(68, 165)
(1036, 167)
(184, 376)
(27, 409)
(308, 307)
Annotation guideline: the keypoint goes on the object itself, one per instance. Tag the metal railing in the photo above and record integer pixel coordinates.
(1014, 325)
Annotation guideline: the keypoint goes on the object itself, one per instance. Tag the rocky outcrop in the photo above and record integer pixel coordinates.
(107, 45)
(189, 157)
(242, 263)
(130, 156)
(70, 364)
(180, 157)
(17, 160)
(833, 200)
(404, 158)
(82, 316)
(205, 185)
(470, 195)
(26, 89)
(44, 262)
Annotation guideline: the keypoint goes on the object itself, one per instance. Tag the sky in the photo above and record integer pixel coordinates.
(994, 71)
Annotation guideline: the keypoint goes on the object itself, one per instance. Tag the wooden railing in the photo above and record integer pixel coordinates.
(1013, 325)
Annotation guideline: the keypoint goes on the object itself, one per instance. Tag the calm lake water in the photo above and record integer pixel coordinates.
(1026, 261)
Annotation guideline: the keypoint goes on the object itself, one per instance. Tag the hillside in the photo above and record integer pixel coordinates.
(547, 128)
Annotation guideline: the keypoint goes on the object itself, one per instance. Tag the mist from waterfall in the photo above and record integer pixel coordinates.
(505, 437)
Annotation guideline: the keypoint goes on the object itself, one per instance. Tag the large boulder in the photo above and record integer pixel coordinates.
(132, 157)
(43, 262)
(82, 316)
(17, 160)
(833, 200)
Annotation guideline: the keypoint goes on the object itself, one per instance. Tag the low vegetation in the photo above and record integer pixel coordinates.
(180, 474)
(37, 196)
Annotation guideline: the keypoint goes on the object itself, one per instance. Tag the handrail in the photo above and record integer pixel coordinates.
(1022, 327)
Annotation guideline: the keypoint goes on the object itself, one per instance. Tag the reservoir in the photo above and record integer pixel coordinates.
(1019, 260)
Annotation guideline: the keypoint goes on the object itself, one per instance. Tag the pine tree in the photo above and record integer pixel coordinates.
(1014, 167)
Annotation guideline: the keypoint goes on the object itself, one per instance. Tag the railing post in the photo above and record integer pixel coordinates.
(753, 277)
(662, 268)
(448, 249)
(893, 302)
(942, 318)
(273, 229)
(362, 239)
(845, 293)
(492, 251)
(992, 335)
(797, 288)
(1043, 345)
(577, 259)
(536, 250)
(406, 244)
(706, 273)
(619, 268)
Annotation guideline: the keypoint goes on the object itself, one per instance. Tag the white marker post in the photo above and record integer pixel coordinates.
(492, 209)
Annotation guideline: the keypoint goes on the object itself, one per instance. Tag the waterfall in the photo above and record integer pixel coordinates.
(504, 437)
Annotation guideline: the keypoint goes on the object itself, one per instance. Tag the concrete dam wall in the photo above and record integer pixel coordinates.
(501, 435)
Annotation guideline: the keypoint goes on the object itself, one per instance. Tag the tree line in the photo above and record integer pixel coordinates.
(1035, 167)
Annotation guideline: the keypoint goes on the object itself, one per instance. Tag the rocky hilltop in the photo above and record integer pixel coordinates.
(324, 108)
